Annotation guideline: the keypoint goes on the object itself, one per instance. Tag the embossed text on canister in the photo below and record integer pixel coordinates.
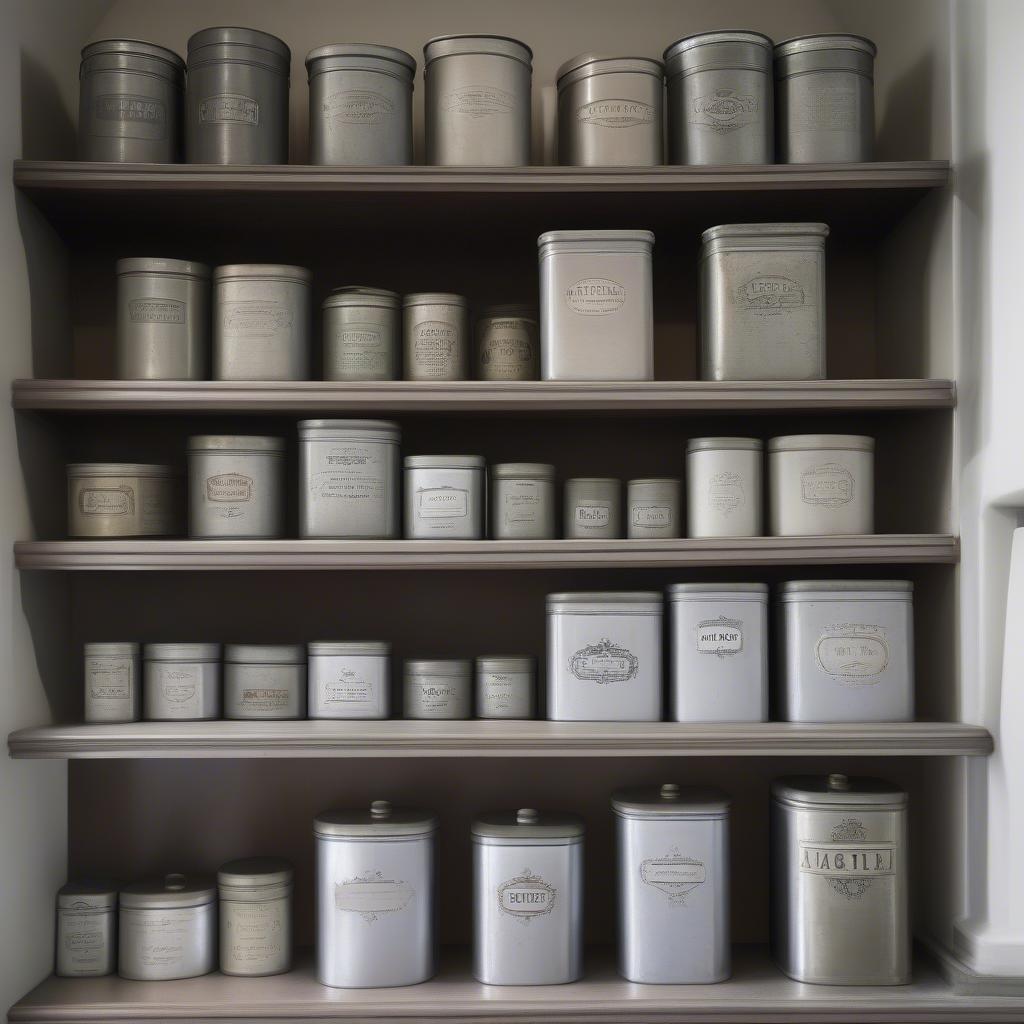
(118, 499)
(265, 681)
(592, 508)
(362, 334)
(444, 497)
(255, 916)
(724, 489)
(349, 679)
(180, 682)
(506, 686)
(522, 501)
(654, 508)
(507, 343)
(437, 688)
(113, 682)
(435, 330)
(86, 930)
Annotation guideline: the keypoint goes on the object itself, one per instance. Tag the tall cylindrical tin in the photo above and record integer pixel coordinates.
(527, 898)
(349, 680)
(255, 916)
(720, 102)
(522, 501)
(654, 508)
(477, 103)
(130, 103)
(375, 879)
(181, 682)
(124, 499)
(839, 904)
(506, 687)
(435, 336)
(444, 497)
(593, 508)
(362, 334)
(673, 885)
(86, 930)
(437, 688)
(265, 681)
(360, 105)
(724, 489)
(507, 343)
(236, 97)
(113, 682)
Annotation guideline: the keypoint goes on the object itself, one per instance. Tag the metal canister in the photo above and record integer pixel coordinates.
(130, 102)
(375, 882)
(360, 105)
(437, 688)
(348, 478)
(349, 679)
(522, 501)
(477, 102)
(724, 489)
(255, 916)
(444, 497)
(720, 102)
(180, 682)
(86, 930)
(265, 681)
(163, 319)
(593, 508)
(506, 686)
(673, 885)
(507, 343)
(168, 928)
(839, 903)
(124, 499)
(825, 90)
(235, 486)
(654, 508)
(610, 111)
(261, 322)
(236, 97)
(362, 334)
(527, 898)
(436, 336)
(113, 682)
(762, 302)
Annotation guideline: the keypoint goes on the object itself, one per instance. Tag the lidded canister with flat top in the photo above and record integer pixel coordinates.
(255, 916)
(522, 501)
(507, 343)
(86, 930)
(362, 334)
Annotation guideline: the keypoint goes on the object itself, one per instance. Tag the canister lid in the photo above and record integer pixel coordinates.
(255, 872)
(802, 590)
(688, 591)
(128, 649)
(827, 41)
(181, 652)
(522, 471)
(760, 232)
(724, 444)
(157, 265)
(628, 238)
(356, 50)
(585, 65)
(265, 654)
(520, 311)
(434, 299)
(171, 892)
(821, 442)
(345, 430)
(351, 648)
(671, 801)
(606, 597)
(134, 48)
(444, 462)
(458, 667)
(594, 480)
(237, 444)
(262, 272)
(837, 790)
(655, 481)
(528, 825)
(378, 820)
(87, 895)
(707, 51)
(93, 469)
(495, 46)
(268, 49)
(505, 663)
(358, 296)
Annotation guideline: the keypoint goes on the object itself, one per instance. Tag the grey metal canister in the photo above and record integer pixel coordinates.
(86, 930)
(113, 682)
(506, 686)
(507, 343)
(265, 681)
(437, 688)
(255, 916)
(436, 336)
(593, 508)
(522, 501)
(362, 334)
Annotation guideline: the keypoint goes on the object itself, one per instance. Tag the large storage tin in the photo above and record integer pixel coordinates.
(348, 478)
(265, 681)
(596, 305)
(720, 102)
(527, 898)
(522, 501)
(255, 916)
(163, 319)
(113, 682)
(846, 651)
(762, 302)
(444, 497)
(435, 329)
(839, 911)
(724, 489)
(168, 929)
(507, 343)
(506, 686)
(375, 878)
(610, 111)
(826, 99)
(604, 657)
(261, 322)
(654, 508)
(821, 484)
(362, 334)
(130, 102)
(349, 680)
(673, 885)
(86, 930)
(477, 104)
(181, 682)
(124, 499)
(593, 508)
(236, 97)
(235, 486)
(433, 688)
(360, 105)
(718, 643)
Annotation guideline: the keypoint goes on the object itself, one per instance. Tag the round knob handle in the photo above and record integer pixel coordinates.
(838, 781)
(175, 882)
(380, 809)
(670, 791)
(527, 816)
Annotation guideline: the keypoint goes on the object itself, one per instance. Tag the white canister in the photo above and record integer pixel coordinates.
(349, 680)
(113, 682)
(592, 508)
(718, 652)
(116, 499)
(86, 930)
(444, 497)
(821, 484)
(522, 501)
(437, 688)
(505, 687)
(653, 508)
(255, 916)
(265, 681)
(724, 487)
(180, 682)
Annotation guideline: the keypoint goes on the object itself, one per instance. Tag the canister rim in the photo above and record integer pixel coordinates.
(355, 297)
(379, 820)
(385, 430)
(521, 311)
(594, 480)
(826, 442)
(262, 272)
(505, 662)
(237, 35)
(455, 667)
(134, 47)
(159, 265)
(674, 480)
(352, 648)
(680, 591)
(793, 587)
(87, 895)
(462, 43)
(724, 444)
(444, 462)
(169, 892)
(640, 235)
(377, 50)
(606, 597)
(526, 824)
(236, 443)
(811, 229)
(111, 648)
(88, 469)
(686, 43)
(175, 651)
(825, 41)
(265, 654)
(684, 802)
(255, 873)
(522, 470)
(814, 790)
(610, 65)
(434, 299)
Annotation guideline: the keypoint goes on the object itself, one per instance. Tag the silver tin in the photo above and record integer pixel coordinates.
(724, 487)
(596, 305)
(673, 885)
(255, 916)
(444, 497)
(235, 486)
(348, 478)
(846, 651)
(720, 101)
(163, 319)
(362, 334)
(360, 105)
(527, 898)
(435, 331)
(168, 929)
(477, 104)
(236, 97)
(506, 686)
(375, 896)
(349, 680)
(654, 508)
(592, 508)
(265, 681)
(117, 499)
(610, 111)
(86, 940)
(825, 90)
(604, 657)
(434, 688)
(261, 322)
(507, 343)
(820, 484)
(718, 652)
(130, 102)
(839, 904)
(113, 682)
(762, 302)
(522, 501)
(180, 682)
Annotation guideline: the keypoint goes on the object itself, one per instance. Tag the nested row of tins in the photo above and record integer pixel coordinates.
(733, 98)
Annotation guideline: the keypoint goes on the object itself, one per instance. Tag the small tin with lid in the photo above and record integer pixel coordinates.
(654, 508)
(507, 343)
(673, 885)
(506, 686)
(255, 916)
(86, 930)
(168, 928)
(436, 336)
(349, 679)
(180, 682)
(375, 895)
(592, 508)
(444, 497)
(724, 487)
(839, 892)
(362, 334)
(124, 499)
(522, 501)
(610, 111)
(265, 681)
(437, 688)
(113, 682)
(527, 898)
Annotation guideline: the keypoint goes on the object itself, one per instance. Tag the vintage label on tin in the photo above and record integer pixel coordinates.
(479, 101)
(255, 318)
(356, 107)
(522, 501)
(354, 473)
(854, 652)
(128, 116)
(848, 861)
(83, 937)
(526, 897)
(504, 692)
(347, 689)
(442, 503)
(254, 933)
(229, 487)
(180, 690)
(507, 350)
(109, 680)
(264, 698)
(160, 937)
(107, 501)
(674, 875)
(371, 895)
(723, 111)
(434, 696)
(828, 484)
(595, 296)
(229, 108)
(156, 311)
(771, 295)
(615, 113)
(363, 348)
(594, 515)
(726, 493)
(825, 108)
(435, 347)
(604, 662)
(651, 516)
(722, 636)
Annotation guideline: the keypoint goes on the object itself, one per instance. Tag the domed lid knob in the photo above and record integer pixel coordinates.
(527, 816)
(380, 809)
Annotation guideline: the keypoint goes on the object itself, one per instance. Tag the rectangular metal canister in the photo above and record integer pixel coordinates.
(117, 499)
(86, 940)
(255, 916)
(507, 343)
(437, 688)
(180, 682)
(444, 497)
(113, 682)
(522, 501)
(592, 508)
(265, 681)
(724, 487)
(435, 332)
(654, 508)
(839, 887)
(506, 686)
(349, 679)
(362, 334)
